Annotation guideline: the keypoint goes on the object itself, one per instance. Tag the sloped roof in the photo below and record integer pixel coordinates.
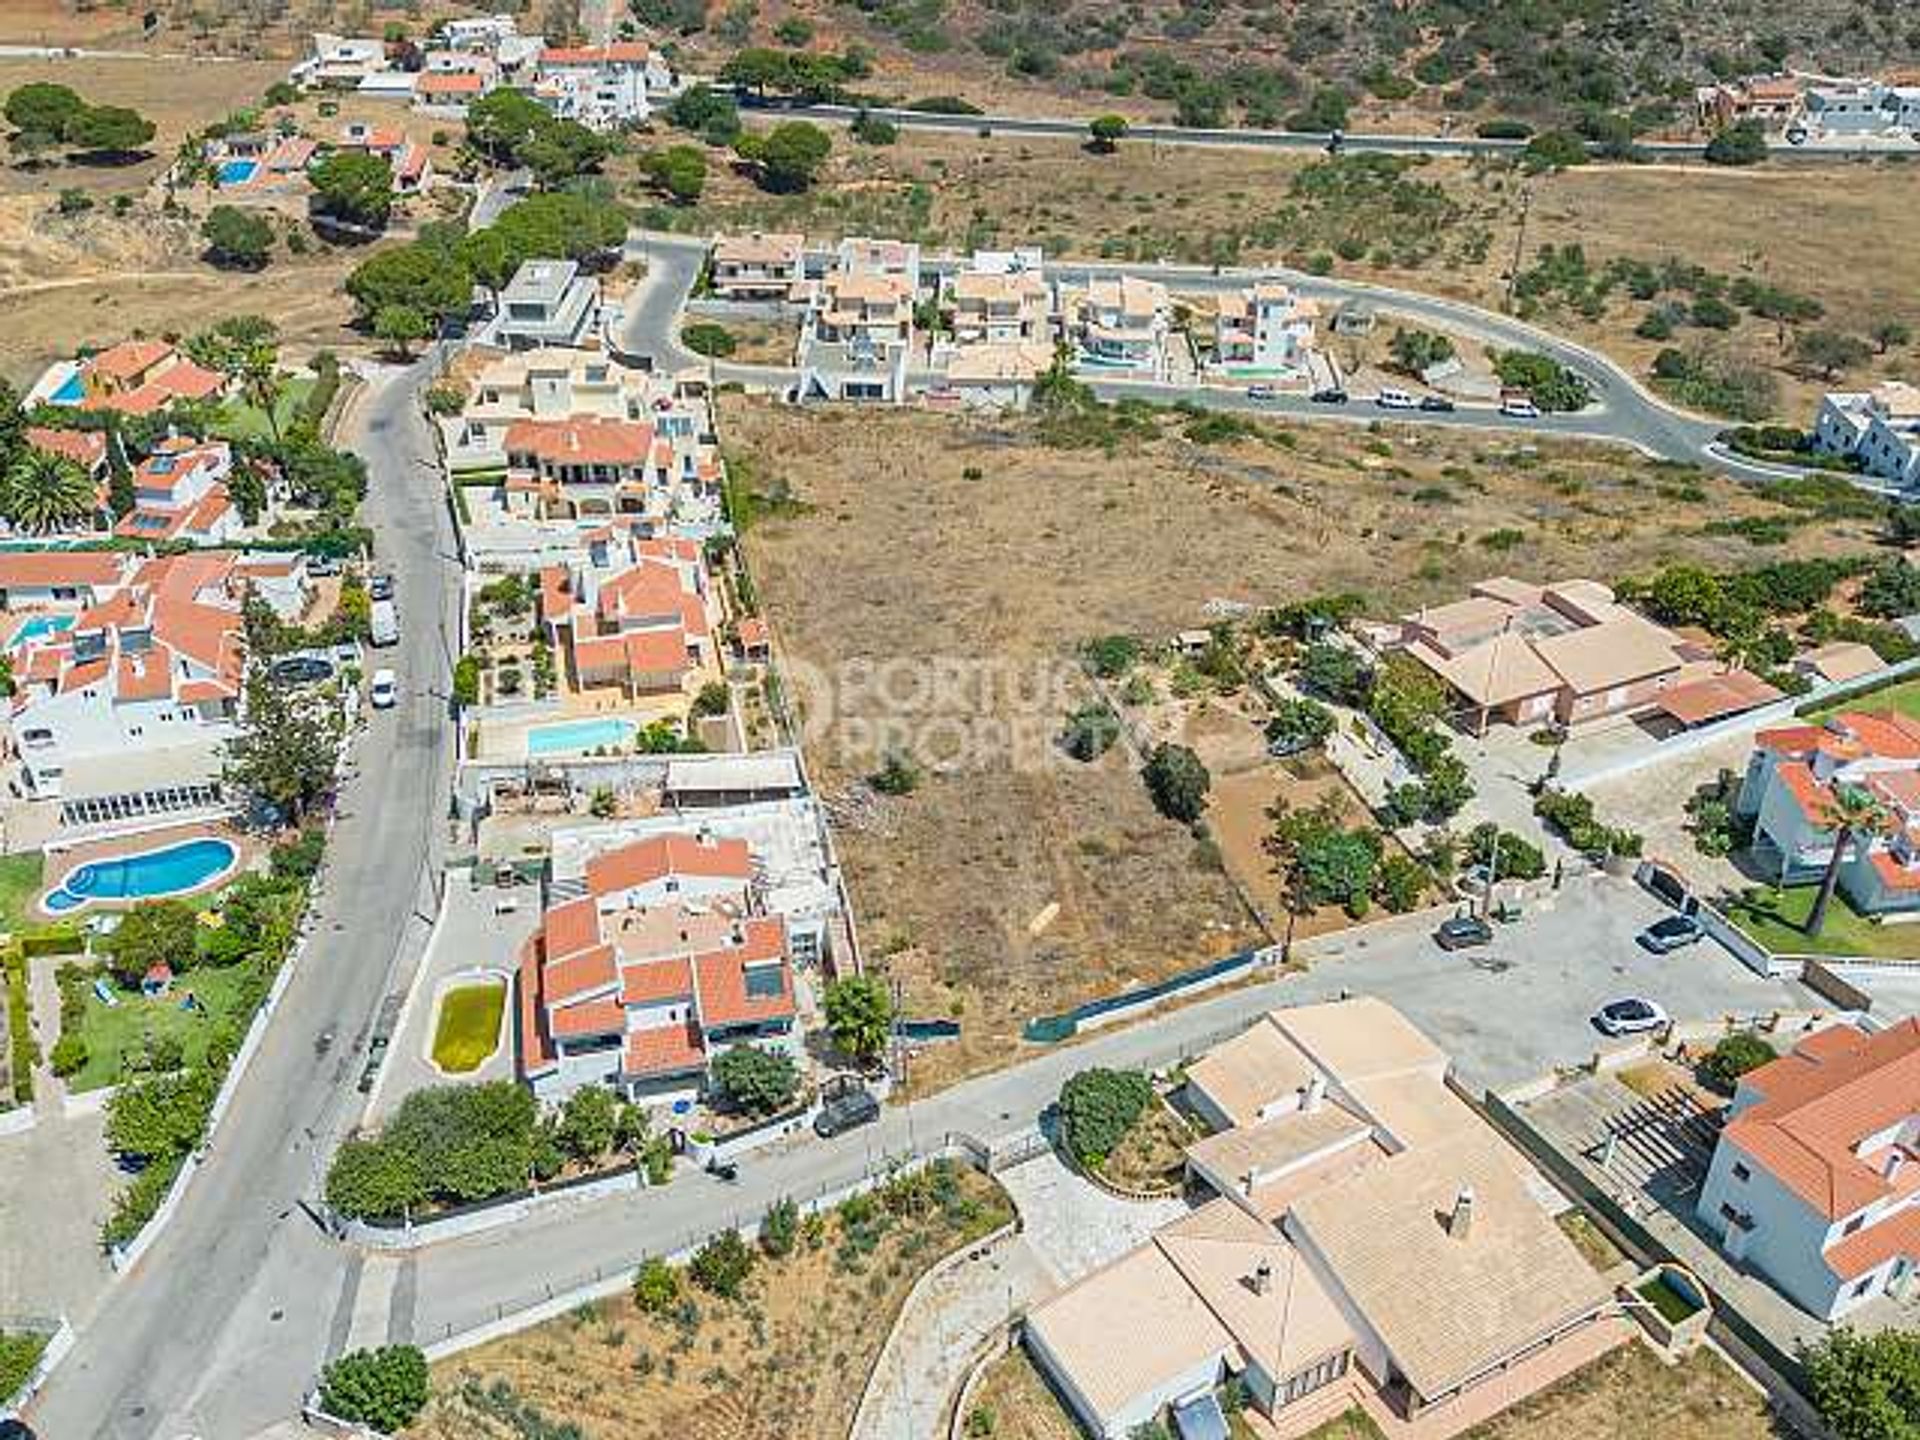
(1252, 1070)
(657, 856)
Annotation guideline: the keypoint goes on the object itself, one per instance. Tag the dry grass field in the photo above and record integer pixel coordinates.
(1015, 1395)
(242, 29)
(787, 1361)
(1014, 882)
(1630, 1392)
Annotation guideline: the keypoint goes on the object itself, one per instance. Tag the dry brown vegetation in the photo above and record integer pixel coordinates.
(785, 1362)
(1016, 889)
(1015, 1395)
(246, 29)
(1819, 230)
(1629, 1392)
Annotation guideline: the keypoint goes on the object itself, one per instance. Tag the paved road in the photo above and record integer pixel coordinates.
(1506, 1015)
(1626, 412)
(220, 1328)
(1838, 149)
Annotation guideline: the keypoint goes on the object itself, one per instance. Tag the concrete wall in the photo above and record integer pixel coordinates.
(490, 1217)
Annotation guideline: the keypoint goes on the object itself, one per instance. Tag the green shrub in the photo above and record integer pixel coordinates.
(779, 1228)
(1097, 1108)
(656, 1287)
(1733, 1057)
(721, 1266)
(384, 1388)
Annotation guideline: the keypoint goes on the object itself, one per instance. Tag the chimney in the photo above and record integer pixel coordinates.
(1460, 1223)
(1263, 1277)
(1314, 1094)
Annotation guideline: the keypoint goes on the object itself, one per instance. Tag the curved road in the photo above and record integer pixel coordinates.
(218, 1329)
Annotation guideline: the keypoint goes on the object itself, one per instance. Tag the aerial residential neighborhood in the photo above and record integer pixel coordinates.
(933, 722)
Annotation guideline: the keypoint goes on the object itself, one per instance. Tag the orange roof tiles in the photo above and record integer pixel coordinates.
(659, 856)
(47, 569)
(581, 441)
(572, 927)
(590, 1017)
(664, 1051)
(86, 448)
(638, 652)
(724, 999)
(1823, 1099)
(1885, 733)
(571, 976)
(449, 82)
(1878, 1243)
(653, 982)
(1807, 792)
(536, 1050)
(129, 358)
(1892, 873)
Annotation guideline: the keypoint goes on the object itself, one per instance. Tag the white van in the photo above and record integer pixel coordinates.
(384, 626)
(1391, 399)
(1519, 407)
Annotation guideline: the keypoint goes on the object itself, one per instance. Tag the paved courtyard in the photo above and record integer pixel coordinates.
(1524, 1005)
(471, 935)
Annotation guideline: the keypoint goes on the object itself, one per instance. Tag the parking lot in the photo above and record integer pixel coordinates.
(1517, 1008)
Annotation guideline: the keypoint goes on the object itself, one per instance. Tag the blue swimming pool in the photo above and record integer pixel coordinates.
(71, 392)
(578, 735)
(40, 627)
(146, 876)
(237, 172)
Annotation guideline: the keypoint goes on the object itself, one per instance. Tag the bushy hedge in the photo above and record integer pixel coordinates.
(1097, 1108)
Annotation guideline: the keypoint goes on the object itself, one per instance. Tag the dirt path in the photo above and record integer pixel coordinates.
(116, 277)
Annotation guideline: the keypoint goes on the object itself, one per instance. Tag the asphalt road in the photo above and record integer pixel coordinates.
(1388, 144)
(1506, 1014)
(220, 1327)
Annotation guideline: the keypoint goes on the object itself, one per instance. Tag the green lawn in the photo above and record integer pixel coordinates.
(122, 1029)
(241, 420)
(19, 1353)
(20, 884)
(1904, 697)
(1777, 919)
(468, 1030)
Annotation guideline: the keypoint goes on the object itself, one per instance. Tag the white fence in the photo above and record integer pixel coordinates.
(483, 1218)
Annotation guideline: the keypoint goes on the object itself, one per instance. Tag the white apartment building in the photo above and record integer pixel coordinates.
(1120, 324)
(758, 267)
(180, 493)
(1881, 427)
(1264, 330)
(602, 87)
(548, 302)
(1814, 1178)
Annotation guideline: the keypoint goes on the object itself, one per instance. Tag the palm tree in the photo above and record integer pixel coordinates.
(1851, 813)
(44, 493)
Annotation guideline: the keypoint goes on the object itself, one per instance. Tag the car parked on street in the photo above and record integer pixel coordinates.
(384, 692)
(380, 587)
(1632, 1016)
(1262, 392)
(846, 1109)
(1330, 396)
(1674, 932)
(1463, 932)
(1437, 404)
(1391, 399)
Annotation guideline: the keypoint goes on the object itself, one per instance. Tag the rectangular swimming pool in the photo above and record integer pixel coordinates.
(39, 627)
(237, 172)
(578, 735)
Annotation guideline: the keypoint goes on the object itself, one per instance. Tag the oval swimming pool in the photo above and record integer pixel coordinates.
(149, 875)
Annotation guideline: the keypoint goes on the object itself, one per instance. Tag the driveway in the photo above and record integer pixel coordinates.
(1069, 1228)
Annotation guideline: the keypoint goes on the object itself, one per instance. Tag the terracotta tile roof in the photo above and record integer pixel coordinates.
(753, 632)
(583, 441)
(1878, 1243)
(46, 569)
(1819, 1102)
(578, 974)
(722, 975)
(536, 1050)
(1806, 791)
(1715, 696)
(86, 448)
(147, 676)
(659, 856)
(449, 82)
(589, 1017)
(668, 1050)
(654, 981)
(640, 652)
(626, 52)
(1892, 873)
(128, 358)
(1885, 733)
(556, 594)
(757, 249)
(650, 589)
(572, 927)
(1843, 660)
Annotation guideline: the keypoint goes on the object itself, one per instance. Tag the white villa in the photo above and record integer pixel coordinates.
(1120, 324)
(1264, 331)
(1880, 427)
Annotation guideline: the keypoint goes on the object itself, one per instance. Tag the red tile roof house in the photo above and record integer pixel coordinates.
(180, 493)
(138, 377)
(582, 467)
(1815, 1176)
(639, 616)
(662, 963)
(152, 664)
(1792, 775)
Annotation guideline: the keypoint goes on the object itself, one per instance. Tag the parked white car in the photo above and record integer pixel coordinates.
(1391, 399)
(1632, 1016)
(384, 692)
(1519, 407)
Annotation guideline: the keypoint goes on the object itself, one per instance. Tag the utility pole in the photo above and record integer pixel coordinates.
(1519, 244)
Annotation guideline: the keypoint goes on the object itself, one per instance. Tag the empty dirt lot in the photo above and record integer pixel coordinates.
(937, 568)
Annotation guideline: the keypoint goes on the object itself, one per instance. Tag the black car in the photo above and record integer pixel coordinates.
(1439, 404)
(1463, 932)
(301, 670)
(847, 1110)
(1665, 936)
(380, 587)
(1329, 396)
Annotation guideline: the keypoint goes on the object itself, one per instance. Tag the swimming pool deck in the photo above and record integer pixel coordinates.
(63, 861)
(505, 737)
